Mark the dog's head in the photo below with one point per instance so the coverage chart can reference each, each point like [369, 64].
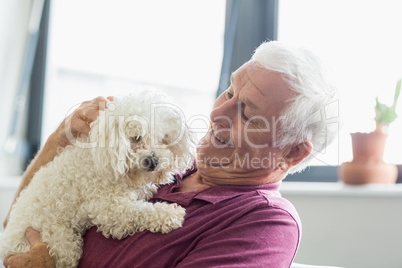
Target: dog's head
[143, 137]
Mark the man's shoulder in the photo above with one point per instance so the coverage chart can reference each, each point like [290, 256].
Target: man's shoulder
[276, 201]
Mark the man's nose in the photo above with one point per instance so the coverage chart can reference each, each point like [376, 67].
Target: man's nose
[226, 113]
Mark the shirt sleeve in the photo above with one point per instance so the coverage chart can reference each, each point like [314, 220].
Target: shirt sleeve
[261, 238]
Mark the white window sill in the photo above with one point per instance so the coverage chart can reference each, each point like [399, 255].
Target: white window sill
[294, 188]
[340, 189]
[9, 182]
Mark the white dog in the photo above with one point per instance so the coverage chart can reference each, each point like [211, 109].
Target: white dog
[106, 180]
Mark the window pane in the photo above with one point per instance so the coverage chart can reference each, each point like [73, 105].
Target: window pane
[361, 42]
[103, 47]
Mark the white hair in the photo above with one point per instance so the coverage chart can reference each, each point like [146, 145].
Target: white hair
[306, 116]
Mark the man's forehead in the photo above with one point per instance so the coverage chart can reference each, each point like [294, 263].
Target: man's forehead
[255, 71]
[241, 70]
[265, 80]
[270, 87]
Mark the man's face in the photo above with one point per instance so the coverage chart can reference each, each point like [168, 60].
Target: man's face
[244, 123]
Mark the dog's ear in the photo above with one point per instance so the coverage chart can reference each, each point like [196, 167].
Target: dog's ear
[109, 154]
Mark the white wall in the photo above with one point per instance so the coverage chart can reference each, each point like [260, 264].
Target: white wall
[348, 226]
[14, 18]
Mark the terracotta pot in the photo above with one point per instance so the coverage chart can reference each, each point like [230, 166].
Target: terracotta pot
[367, 165]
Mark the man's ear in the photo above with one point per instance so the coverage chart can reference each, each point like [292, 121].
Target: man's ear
[296, 153]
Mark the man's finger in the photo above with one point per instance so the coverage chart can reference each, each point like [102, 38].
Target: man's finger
[6, 261]
[32, 236]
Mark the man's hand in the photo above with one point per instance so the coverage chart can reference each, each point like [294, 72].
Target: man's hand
[37, 256]
[78, 122]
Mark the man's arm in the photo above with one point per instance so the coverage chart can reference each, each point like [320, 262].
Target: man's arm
[43, 157]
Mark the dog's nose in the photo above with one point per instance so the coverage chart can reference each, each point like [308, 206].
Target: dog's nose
[150, 163]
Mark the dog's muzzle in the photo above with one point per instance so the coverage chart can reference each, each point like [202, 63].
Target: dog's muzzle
[150, 163]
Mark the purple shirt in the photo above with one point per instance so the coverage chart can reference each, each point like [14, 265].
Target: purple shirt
[224, 226]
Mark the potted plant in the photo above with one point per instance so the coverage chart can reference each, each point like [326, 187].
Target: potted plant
[367, 165]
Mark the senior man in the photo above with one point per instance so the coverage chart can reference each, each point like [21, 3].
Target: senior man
[260, 131]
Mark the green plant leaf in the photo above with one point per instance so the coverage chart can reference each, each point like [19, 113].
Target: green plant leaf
[397, 92]
[386, 114]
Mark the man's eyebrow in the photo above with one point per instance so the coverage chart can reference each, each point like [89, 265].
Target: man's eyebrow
[231, 78]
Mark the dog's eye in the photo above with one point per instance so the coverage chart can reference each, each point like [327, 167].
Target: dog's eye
[136, 139]
[166, 139]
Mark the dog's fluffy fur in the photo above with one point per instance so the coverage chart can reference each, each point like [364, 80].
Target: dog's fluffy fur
[106, 180]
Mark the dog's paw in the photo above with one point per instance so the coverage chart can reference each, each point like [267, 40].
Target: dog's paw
[169, 217]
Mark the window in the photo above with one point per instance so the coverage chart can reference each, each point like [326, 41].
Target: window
[361, 43]
[112, 47]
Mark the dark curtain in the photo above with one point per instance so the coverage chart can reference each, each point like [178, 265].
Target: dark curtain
[248, 24]
[36, 89]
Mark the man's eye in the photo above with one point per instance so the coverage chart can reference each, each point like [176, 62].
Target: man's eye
[243, 113]
[229, 95]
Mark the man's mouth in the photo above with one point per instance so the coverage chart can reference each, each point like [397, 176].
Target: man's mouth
[221, 140]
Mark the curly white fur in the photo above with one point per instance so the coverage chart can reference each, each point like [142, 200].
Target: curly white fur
[106, 180]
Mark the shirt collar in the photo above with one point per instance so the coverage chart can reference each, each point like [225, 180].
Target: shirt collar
[220, 193]
[212, 195]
